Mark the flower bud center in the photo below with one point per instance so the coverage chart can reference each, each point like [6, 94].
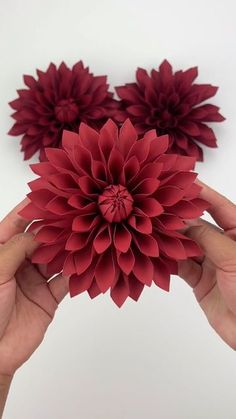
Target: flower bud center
[66, 111]
[115, 203]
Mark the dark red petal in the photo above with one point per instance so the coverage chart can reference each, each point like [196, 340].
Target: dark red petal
[82, 160]
[56, 264]
[206, 135]
[146, 244]
[120, 291]
[189, 128]
[130, 169]
[115, 163]
[81, 283]
[63, 181]
[150, 206]
[94, 291]
[146, 187]
[46, 253]
[138, 110]
[158, 146]
[172, 247]
[41, 197]
[102, 240]
[30, 81]
[58, 158]
[166, 73]
[142, 77]
[31, 212]
[105, 271]
[89, 139]
[161, 275]
[43, 169]
[186, 209]
[83, 258]
[143, 269]
[127, 137]
[108, 137]
[59, 206]
[69, 140]
[126, 261]
[69, 265]
[140, 223]
[84, 223]
[48, 234]
[122, 238]
[169, 195]
[135, 287]
[171, 222]
[140, 149]
[184, 163]
[181, 180]
[77, 241]
[150, 170]
[88, 186]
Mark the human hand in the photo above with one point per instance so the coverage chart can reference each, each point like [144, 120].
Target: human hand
[27, 300]
[213, 277]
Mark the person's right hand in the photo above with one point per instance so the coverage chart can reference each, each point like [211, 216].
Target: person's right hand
[213, 277]
[28, 301]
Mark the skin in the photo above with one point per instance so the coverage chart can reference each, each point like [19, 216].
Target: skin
[28, 301]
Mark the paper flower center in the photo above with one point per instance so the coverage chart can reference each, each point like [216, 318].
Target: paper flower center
[115, 203]
[66, 111]
[163, 119]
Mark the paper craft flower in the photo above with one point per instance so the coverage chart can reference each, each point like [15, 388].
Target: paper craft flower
[108, 209]
[59, 99]
[171, 103]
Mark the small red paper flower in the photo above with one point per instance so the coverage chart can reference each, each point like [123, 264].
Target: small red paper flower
[59, 99]
[172, 104]
[108, 209]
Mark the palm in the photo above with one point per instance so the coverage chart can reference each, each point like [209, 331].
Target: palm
[31, 310]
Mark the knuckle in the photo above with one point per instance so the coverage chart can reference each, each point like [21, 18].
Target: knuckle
[201, 231]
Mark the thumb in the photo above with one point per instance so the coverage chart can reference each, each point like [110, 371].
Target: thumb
[218, 248]
[13, 253]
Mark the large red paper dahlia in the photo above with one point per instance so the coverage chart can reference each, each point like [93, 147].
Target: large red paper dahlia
[171, 103]
[108, 209]
[60, 98]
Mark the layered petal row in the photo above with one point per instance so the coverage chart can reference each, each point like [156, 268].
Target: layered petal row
[59, 98]
[173, 104]
[108, 209]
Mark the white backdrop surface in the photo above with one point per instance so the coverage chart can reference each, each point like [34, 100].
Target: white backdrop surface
[158, 358]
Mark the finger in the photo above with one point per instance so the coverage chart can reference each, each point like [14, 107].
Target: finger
[222, 210]
[59, 287]
[190, 271]
[13, 253]
[217, 247]
[13, 224]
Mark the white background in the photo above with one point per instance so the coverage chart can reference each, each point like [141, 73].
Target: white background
[158, 358]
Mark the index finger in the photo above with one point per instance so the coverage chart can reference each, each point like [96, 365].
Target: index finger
[222, 210]
[13, 224]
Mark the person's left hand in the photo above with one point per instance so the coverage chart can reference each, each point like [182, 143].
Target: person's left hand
[28, 301]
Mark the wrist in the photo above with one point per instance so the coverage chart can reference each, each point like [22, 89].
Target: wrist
[5, 382]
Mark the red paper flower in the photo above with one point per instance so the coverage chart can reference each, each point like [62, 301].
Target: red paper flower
[109, 209]
[59, 99]
[172, 104]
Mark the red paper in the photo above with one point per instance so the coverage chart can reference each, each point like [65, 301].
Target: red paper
[59, 98]
[108, 209]
[172, 104]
